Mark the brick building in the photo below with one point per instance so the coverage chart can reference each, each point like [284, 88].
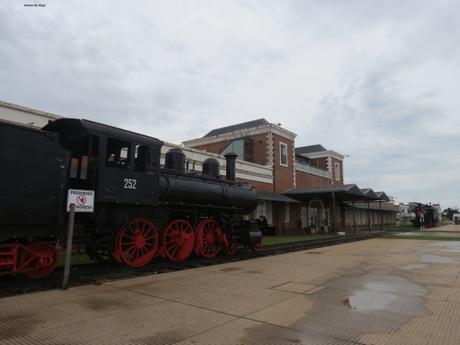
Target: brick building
[287, 201]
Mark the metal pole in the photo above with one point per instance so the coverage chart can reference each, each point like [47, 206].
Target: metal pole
[354, 219]
[333, 212]
[368, 217]
[381, 215]
[68, 252]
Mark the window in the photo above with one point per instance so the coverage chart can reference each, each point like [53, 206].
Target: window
[283, 154]
[337, 171]
[286, 214]
[244, 148]
[263, 210]
[118, 153]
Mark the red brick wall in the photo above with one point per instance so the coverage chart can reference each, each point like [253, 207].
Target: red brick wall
[334, 181]
[260, 149]
[262, 186]
[320, 163]
[306, 180]
[283, 176]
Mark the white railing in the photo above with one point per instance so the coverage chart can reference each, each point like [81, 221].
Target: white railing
[312, 170]
[245, 170]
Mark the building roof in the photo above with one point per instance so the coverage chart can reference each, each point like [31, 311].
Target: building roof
[347, 192]
[275, 197]
[237, 127]
[309, 149]
[74, 128]
[370, 193]
[375, 206]
[382, 196]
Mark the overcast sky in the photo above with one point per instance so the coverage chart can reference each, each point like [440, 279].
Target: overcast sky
[375, 80]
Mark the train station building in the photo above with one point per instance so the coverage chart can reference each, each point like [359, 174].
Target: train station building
[301, 189]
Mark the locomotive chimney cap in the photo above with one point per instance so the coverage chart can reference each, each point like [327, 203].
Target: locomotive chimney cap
[230, 155]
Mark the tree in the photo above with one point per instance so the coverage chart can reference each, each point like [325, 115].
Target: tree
[449, 213]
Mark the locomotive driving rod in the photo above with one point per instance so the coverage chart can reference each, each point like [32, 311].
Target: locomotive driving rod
[68, 250]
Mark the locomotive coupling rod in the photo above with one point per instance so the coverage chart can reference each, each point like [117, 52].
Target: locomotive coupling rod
[68, 250]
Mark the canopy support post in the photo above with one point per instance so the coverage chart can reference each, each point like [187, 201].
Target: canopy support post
[368, 217]
[333, 213]
[354, 219]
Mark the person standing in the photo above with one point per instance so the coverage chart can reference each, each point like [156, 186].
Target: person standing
[421, 218]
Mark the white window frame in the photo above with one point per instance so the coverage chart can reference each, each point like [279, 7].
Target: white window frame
[337, 171]
[287, 217]
[281, 155]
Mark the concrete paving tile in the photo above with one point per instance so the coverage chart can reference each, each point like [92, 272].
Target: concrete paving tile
[284, 313]
[83, 307]
[185, 285]
[230, 299]
[295, 287]
[368, 293]
[36, 300]
[164, 323]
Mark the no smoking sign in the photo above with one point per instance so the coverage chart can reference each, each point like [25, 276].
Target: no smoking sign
[82, 199]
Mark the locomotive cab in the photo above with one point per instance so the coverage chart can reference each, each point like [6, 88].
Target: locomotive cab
[121, 166]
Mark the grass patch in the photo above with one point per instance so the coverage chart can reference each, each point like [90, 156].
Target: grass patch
[77, 259]
[269, 240]
[425, 237]
[403, 227]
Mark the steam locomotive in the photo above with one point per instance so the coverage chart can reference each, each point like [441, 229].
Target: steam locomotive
[141, 209]
[430, 215]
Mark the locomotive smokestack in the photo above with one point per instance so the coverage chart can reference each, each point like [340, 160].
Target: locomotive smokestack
[230, 166]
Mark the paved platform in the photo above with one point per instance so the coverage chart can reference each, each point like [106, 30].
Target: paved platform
[445, 228]
[379, 291]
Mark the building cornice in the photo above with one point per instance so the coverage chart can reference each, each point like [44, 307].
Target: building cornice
[30, 110]
[321, 154]
[213, 155]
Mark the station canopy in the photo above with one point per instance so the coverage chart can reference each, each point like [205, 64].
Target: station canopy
[347, 192]
[382, 196]
[370, 193]
[275, 197]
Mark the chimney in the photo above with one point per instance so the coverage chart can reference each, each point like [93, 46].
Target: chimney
[230, 165]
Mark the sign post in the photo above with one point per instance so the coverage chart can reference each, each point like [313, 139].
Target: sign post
[68, 250]
[78, 200]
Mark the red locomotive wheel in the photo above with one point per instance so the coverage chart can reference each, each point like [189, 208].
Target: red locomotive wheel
[178, 240]
[136, 243]
[38, 260]
[208, 238]
[231, 249]
[256, 247]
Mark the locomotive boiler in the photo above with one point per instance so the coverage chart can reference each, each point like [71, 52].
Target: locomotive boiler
[142, 208]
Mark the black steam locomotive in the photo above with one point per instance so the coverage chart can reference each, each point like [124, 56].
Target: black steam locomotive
[427, 212]
[141, 209]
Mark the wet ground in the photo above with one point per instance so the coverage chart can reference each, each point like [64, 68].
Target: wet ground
[447, 231]
[380, 291]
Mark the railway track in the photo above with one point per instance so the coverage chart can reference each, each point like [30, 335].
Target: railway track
[97, 273]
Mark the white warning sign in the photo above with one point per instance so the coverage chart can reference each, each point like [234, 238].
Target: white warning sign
[82, 199]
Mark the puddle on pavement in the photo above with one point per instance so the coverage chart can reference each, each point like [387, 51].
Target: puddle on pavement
[452, 247]
[436, 259]
[368, 300]
[348, 308]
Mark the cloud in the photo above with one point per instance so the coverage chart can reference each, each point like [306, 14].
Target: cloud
[374, 80]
